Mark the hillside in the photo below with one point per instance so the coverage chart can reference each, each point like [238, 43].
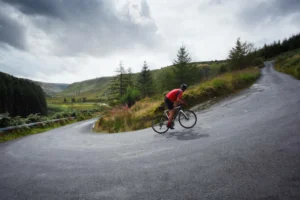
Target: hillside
[98, 89]
[289, 63]
[52, 88]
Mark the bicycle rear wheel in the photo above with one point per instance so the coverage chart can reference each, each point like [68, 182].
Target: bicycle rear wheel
[159, 124]
[188, 119]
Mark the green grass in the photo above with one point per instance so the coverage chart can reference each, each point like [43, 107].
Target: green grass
[140, 115]
[10, 135]
[289, 63]
[54, 109]
[74, 106]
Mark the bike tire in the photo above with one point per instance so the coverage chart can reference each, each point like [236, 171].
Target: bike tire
[159, 124]
[192, 118]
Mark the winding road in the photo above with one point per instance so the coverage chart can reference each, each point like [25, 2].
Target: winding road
[244, 147]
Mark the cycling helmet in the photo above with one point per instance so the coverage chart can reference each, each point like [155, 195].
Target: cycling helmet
[183, 87]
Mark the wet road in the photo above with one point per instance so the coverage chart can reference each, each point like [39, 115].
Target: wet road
[245, 147]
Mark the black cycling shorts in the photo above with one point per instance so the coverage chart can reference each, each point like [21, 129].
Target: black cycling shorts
[169, 103]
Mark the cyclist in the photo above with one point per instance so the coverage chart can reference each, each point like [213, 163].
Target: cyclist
[174, 97]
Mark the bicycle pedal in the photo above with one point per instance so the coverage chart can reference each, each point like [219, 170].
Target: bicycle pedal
[171, 127]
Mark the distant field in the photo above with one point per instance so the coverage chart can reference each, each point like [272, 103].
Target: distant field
[55, 108]
[90, 98]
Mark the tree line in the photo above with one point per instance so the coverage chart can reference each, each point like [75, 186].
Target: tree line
[127, 88]
[269, 51]
[21, 97]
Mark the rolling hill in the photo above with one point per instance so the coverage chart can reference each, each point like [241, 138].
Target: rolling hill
[98, 89]
[52, 88]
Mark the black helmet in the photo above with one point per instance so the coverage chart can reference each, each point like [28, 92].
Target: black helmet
[183, 87]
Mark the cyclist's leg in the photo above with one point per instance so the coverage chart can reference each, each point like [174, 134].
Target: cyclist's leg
[170, 105]
[171, 116]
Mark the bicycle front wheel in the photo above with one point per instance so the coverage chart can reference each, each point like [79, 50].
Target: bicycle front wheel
[187, 119]
[159, 124]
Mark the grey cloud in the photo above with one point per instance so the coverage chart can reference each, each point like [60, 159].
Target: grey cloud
[269, 11]
[93, 27]
[216, 2]
[11, 31]
[15, 71]
[37, 7]
[145, 9]
[24, 64]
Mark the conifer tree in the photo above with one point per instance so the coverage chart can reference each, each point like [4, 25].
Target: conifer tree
[181, 68]
[119, 83]
[239, 56]
[145, 82]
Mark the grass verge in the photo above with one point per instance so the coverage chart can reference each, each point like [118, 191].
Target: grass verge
[289, 63]
[13, 134]
[140, 115]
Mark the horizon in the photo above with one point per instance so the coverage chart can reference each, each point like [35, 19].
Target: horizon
[103, 76]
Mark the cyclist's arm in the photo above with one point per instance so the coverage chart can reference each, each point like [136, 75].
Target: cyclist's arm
[179, 99]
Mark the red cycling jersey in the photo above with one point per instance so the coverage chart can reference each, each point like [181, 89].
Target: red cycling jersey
[174, 94]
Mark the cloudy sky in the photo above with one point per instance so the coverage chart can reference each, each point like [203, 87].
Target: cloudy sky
[73, 40]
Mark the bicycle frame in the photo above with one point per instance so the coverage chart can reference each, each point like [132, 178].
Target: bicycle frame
[159, 122]
[177, 113]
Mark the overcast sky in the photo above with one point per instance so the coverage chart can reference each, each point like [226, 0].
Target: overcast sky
[73, 40]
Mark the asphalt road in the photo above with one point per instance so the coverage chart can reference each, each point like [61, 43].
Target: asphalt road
[245, 147]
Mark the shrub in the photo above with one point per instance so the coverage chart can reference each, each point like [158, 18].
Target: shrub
[223, 69]
[219, 83]
[293, 62]
[4, 120]
[131, 96]
[16, 121]
[114, 102]
[57, 116]
[289, 64]
[258, 62]
[33, 118]
[65, 114]
[52, 109]
[297, 71]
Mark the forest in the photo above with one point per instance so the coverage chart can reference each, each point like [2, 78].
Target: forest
[21, 97]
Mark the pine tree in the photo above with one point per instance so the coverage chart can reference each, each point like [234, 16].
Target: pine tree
[145, 82]
[120, 82]
[165, 81]
[239, 55]
[129, 78]
[181, 68]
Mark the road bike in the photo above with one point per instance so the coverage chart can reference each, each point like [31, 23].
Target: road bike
[186, 118]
